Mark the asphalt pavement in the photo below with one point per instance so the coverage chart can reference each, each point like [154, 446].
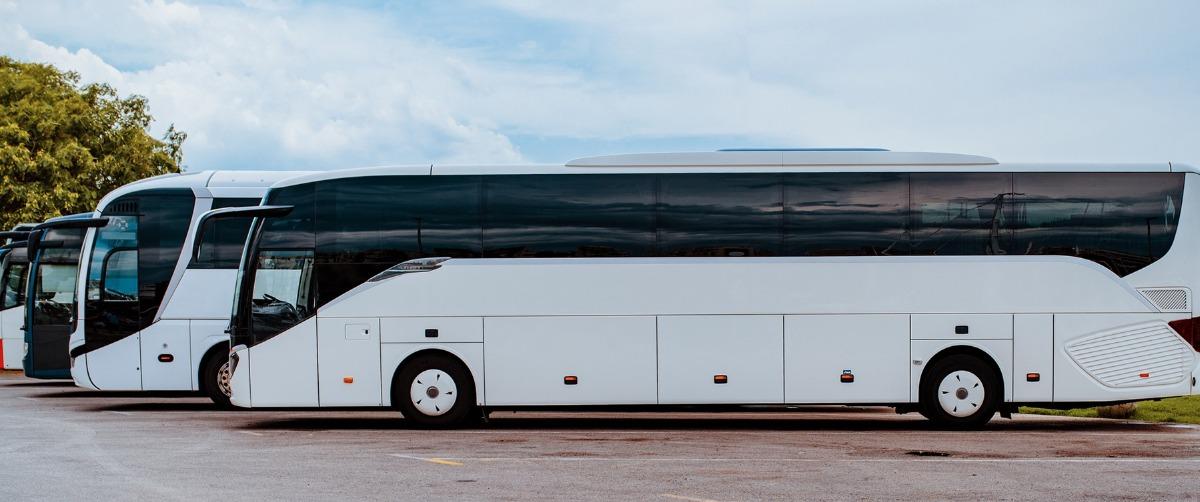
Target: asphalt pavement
[59, 442]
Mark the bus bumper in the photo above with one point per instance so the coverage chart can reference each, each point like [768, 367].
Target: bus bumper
[239, 378]
[79, 373]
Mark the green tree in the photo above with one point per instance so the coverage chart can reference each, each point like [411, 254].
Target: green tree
[63, 145]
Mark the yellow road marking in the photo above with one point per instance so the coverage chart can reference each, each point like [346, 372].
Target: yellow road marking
[439, 461]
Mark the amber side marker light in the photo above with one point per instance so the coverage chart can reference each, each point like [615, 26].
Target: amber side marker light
[347, 379]
[165, 358]
[847, 377]
[570, 380]
[1033, 377]
[720, 378]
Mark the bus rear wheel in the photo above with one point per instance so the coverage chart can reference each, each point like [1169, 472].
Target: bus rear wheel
[214, 379]
[434, 390]
[960, 391]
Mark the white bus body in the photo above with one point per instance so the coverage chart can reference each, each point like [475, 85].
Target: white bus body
[140, 333]
[15, 270]
[978, 305]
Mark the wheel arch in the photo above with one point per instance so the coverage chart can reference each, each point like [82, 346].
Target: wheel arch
[967, 350]
[473, 363]
[216, 349]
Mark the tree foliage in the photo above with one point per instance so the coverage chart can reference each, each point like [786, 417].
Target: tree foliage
[63, 145]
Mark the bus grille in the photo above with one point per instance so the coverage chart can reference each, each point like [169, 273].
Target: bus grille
[1134, 356]
[1168, 299]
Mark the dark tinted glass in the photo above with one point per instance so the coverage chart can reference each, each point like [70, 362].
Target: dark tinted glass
[569, 216]
[224, 237]
[12, 282]
[162, 225]
[111, 306]
[369, 224]
[959, 213]
[145, 230]
[1123, 221]
[720, 214]
[295, 230]
[846, 214]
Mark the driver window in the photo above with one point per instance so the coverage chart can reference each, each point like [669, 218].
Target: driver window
[281, 291]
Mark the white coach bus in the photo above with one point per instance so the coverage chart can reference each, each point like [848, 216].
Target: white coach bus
[152, 317]
[947, 284]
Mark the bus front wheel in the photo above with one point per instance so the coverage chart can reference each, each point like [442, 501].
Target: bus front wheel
[215, 377]
[434, 390]
[960, 391]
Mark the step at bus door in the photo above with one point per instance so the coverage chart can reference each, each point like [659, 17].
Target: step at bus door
[348, 362]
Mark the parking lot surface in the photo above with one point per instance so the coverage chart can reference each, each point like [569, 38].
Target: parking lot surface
[60, 442]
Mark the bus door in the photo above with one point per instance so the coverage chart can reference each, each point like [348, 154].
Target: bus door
[49, 312]
[111, 309]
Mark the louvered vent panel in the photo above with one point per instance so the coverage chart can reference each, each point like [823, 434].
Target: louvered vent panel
[1169, 299]
[1120, 358]
[129, 207]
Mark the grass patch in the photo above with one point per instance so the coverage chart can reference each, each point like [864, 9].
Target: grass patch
[1184, 410]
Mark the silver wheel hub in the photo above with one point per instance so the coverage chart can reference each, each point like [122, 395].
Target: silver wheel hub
[223, 377]
[433, 392]
[961, 393]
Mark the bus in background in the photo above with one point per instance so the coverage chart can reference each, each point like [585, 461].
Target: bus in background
[53, 252]
[14, 266]
[951, 285]
[151, 319]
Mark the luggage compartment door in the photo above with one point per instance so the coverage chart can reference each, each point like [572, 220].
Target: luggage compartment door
[570, 360]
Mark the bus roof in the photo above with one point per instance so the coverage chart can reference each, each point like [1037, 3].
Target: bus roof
[209, 183]
[783, 160]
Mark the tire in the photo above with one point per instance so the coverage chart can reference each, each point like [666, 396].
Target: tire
[214, 379]
[960, 392]
[434, 390]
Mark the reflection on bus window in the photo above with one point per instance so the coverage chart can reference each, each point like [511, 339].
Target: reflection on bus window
[281, 284]
[14, 286]
[55, 293]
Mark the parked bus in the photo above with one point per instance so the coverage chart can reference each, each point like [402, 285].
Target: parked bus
[53, 252]
[951, 285]
[151, 319]
[14, 266]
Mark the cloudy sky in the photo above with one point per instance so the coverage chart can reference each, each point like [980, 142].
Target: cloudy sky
[281, 84]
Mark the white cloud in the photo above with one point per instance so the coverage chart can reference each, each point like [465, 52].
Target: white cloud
[276, 84]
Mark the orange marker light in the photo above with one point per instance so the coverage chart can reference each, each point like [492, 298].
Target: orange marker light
[570, 380]
[347, 379]
[1033, 377]
[847, 377]
[720, 378]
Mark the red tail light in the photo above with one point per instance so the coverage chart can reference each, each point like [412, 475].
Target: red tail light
[1187, 328]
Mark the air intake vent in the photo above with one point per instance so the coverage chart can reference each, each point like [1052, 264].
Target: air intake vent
[1134, 356]
[1169, 299]
[125, 207]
